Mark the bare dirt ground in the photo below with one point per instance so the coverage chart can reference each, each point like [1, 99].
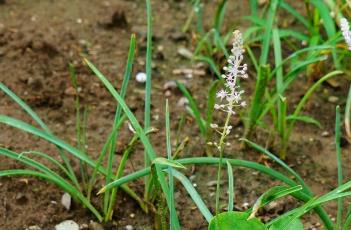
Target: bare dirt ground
[37, 42]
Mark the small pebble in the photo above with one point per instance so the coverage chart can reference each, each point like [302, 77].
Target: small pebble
[141, 77]
[34, 227]
[325, 134]
[333, 99]
[184, 52]
[183, 101]
[178, 36]
[84, 226]
[21, 198]
[192, 177]
[66, 201]
[95, 226]
[67, 225]
[170, 85]
[245, 205]
[211, 183]
[168, 93]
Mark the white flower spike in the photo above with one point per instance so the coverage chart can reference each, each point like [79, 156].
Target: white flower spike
[231, 96]
[346, 33]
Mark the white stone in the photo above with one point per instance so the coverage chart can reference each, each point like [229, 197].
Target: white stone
[66, 200]
[67, 225]
[141, 77]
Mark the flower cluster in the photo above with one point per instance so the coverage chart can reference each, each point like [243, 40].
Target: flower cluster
[345, 29]
[231, 96]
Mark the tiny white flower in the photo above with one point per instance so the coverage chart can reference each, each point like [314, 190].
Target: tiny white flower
[222, 94]
[214, 126]
[345, 29]
[232, 71]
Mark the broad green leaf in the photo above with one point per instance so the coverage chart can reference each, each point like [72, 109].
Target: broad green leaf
[294, 225]
[235, 221]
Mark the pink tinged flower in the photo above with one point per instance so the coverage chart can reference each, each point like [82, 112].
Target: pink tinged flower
[232, 71]
[221, 94]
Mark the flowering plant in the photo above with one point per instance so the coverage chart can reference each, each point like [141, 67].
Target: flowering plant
[230, 98]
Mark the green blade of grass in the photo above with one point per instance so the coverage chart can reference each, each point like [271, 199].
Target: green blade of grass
[230, 187]
[253, 7]
[295, 13]
[279, 87]
[170, 174]
[306, 119]
[47, 157]
[110, 198]
[198, 9]
[60, 183]
[339, 164]
[101, 157]
[194, 194]
[37, 119]
[194, 108]
[147, 110]
[289, 78]
[210, 62]
[49, 175]
[347, 114]
[319, 48]
[288, 33]
[25, 107]
[220, 13]
[137, 127]
[211, 100]
[280, 162]
[273, 193]
[328, 23]
[252, 58]
[347, 223]
[268, 31]
[220, 44]
[203, 44]
[258, 99]
[39, 133]
[238, 163]
[119, 174]
[309, 93]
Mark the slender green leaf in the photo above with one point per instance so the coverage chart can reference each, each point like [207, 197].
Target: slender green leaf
[347, 114]
[137, 127]
[194, 108]
[230, 187]
[339, 164]
[306, 119]
[167, 162]
[193, 194]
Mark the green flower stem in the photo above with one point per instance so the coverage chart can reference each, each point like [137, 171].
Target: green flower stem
[221, 150]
